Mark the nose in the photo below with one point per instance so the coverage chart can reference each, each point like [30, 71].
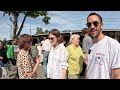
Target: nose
[92, 26]
[50, 40]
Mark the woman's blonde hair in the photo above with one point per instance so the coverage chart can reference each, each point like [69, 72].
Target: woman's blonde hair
[72, 36]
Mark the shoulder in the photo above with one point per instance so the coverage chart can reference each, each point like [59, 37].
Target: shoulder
[62, 47]
[113, 43]
[79, 47]
[23, 52]
[68, 47]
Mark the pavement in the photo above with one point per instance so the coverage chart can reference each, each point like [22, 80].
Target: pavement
[13, 72]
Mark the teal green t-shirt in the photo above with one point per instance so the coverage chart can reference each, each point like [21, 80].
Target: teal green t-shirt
[10, 51]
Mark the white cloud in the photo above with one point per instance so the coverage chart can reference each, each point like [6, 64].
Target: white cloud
[61, 20]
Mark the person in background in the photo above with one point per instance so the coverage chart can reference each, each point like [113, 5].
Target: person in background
[10, 54]
[3, 60]
[58, 56]
[76, 57]
[39, 48]
[46, 46]
[104, 55]
[27, 68]
[86, 45]
[64, 42]
[34, 51]
[87, 41]
[43, 39]
[16, 49]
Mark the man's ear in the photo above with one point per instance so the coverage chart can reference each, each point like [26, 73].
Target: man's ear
[101, 25]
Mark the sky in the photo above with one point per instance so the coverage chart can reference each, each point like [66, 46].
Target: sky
[61, 20]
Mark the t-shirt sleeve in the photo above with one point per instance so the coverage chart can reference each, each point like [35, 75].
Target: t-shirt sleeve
[84, 45]
[82, 54]
[68, 50]
[115, 56]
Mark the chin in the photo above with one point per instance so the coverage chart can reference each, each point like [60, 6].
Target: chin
[93, 36]
[77, 45]
[53, 44]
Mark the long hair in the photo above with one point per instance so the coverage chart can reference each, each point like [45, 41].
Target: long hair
[56, 33]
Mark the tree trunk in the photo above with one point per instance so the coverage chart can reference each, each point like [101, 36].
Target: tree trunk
[15, 24]
[15, 20]
[19, 31]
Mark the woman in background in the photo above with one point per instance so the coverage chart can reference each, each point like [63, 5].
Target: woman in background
[75, 57]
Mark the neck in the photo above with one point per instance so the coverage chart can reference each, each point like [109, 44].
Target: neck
[74, 45]
[55, 45]
[100, 37]
[86, 34]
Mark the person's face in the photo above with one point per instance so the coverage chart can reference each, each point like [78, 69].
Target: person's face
[1, 45]
[94, 26]
[15, 42]
[53, 39]
[76, 41]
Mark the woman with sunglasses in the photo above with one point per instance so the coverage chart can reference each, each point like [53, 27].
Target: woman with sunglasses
[58, 56]
[104, 55]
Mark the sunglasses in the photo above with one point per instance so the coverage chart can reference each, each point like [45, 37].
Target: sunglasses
[95, 23]
[51, 38]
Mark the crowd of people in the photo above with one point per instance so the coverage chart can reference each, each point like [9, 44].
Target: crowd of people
[98, 58]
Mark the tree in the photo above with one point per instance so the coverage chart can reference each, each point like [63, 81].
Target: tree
[39, 30]
[46, 31]
[32, 14]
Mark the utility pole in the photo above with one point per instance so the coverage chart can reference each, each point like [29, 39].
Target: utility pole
[11, 35]
[30, 30]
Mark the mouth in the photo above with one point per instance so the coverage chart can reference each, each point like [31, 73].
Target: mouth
[93, 31]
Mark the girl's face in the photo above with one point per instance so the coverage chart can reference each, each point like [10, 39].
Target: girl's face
[53, 39]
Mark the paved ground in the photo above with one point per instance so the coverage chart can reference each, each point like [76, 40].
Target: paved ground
[13, 73]
[40, 72]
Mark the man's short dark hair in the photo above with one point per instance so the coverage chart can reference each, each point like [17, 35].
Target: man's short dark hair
[96, 15]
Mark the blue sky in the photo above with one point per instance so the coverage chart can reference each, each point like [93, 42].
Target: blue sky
[62, 20]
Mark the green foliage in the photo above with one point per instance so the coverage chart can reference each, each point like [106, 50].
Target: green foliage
[32, 14]
[46, 31]
[39, 30]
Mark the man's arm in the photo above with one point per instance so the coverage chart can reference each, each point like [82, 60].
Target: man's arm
[116, 73]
